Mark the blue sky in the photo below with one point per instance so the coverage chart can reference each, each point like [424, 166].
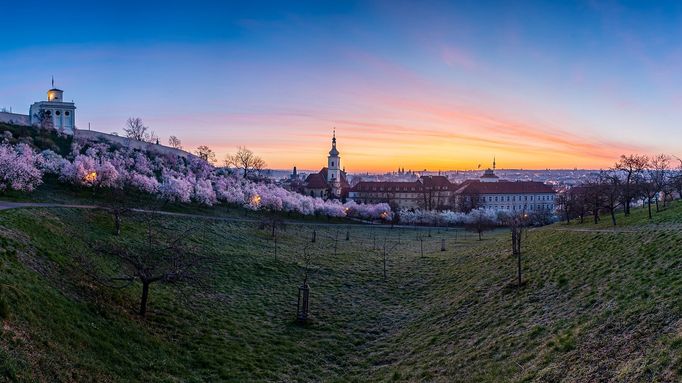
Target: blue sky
[438, 85]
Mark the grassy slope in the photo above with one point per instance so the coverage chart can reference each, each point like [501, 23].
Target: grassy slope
[597, 305]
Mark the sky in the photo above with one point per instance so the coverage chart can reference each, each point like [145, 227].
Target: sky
[431, 85]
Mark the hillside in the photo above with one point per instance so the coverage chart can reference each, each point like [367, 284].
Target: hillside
[598, 305]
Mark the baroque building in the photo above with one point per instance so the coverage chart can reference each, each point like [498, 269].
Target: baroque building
[330, 181]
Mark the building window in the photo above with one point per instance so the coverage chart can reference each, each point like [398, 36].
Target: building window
[67, 113]
[58, 113]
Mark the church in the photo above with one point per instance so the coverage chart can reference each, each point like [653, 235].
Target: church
[52, 113]
[330, 182]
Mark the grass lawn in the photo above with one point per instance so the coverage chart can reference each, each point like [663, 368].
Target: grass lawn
[596, 306]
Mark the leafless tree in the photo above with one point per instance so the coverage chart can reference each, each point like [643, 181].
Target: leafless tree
[632, 167]
[517, 222]
[245, 161]
[44, 120]
[479, 223]
[676, 179]
[387, 249]
[659, 176]
[467, 201]
[206, 154]
[117, 202]
[566, 201]
[174, 142]
[612, 192]
[158, 258]
[136, 130]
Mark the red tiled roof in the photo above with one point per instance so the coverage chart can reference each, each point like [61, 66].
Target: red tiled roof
[319, 180]
[430, 181]
[504, 187]
[316, 181]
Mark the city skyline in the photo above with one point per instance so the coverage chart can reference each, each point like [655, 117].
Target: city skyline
[441, 87]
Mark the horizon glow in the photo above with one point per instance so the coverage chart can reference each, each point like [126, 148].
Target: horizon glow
[428, 85]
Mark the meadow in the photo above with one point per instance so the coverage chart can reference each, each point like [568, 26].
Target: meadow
[595, 305]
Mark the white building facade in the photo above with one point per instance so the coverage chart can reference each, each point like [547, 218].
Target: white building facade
[54, 112]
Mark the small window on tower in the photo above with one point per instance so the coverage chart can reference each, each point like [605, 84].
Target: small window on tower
[58, 113]
[332, 163]
[66, 113]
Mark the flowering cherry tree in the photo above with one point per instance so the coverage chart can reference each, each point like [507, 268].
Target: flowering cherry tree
[19, 168]
[171, 178]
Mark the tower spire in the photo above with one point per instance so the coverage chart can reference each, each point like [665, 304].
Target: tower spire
[493, 162]
[53, 81]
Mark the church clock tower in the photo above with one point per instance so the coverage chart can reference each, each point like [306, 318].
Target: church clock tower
[334, 168]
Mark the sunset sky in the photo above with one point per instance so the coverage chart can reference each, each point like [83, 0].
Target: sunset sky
[436, 85]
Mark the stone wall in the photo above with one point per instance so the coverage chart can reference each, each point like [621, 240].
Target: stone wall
[15, 119]
[92, 135]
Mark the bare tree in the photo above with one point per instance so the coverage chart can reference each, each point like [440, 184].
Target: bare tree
[44, 119]
[467, 201]
[245, 161]
[386, 250]
[136, 130]
[517, 222]
[174, 142]
[659, 176]
[676, 179]
[158, 258]
[565, 201]
[612, 192]
[206, 154]
[632, 167]
[117, 201]
[479, 222]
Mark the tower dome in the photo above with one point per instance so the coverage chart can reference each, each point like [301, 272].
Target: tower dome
[334, 152]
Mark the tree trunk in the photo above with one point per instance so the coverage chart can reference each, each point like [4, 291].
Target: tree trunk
[518, 264]
[479, 235]
[144, 298]
[613, 216]
[117, 222]
[649, 200]
[657, 210]
[384, 260]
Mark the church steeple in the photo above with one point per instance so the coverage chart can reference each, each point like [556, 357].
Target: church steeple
[334, 152]
[493, 163]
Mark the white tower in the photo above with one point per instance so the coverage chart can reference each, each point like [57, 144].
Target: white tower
[54, 113]
[334, 168]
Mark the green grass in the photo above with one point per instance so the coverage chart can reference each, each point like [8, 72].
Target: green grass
[596, 306]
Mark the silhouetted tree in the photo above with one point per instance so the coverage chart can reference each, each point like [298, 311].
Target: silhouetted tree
[174, 142]
[632, 167]
[136, 130]
[245, 161]
[206, 154]
[158, 258]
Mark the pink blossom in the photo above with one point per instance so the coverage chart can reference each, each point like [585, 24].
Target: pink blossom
[19, 168]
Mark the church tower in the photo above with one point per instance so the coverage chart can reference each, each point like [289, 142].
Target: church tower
[334, 168]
